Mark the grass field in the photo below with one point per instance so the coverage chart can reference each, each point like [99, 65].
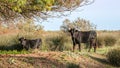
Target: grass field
[56, 59]
[61, 57]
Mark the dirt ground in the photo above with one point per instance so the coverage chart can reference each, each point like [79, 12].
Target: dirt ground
[54, 60]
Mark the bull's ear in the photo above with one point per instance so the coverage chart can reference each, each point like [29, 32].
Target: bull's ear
[25, 39]
[69, 29]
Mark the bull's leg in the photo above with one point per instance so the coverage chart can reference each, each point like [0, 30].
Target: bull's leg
[79, 47]
[90, 47]
[95, 46]
[38, 47]
[73, 47]
[28, 47]
[35, 46]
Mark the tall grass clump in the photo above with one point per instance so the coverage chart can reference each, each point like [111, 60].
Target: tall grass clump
[113, 56]
[9, 42]
[100, 41]
[118, 42]
[110, 40]
[107, 38]
[58, 43]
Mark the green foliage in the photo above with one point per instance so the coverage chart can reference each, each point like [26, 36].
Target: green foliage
[114, 56]
[13, 9]
[17, 5]
[20, 5]
[13, 52]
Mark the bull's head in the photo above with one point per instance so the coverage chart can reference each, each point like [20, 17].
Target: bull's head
[93, 34]
[22, 41]
[72, 30]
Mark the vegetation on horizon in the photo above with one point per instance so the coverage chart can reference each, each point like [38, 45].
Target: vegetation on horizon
[79, 24]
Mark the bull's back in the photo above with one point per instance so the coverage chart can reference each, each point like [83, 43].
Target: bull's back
[35, 42]
[85, 36]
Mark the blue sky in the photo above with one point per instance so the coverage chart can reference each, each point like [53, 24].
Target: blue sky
[104, 13]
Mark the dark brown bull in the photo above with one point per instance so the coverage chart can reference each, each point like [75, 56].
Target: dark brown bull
[79, 37]
[27, 44]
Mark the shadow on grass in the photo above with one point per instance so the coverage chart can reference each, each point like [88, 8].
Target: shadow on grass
[17, 47]
[104, 61]
[101, 60]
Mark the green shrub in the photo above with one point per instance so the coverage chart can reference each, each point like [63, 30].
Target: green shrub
[110, 40]
[72, 65]
[55, 43]
[14, 52]
[58, 43]
[107, 40]
[113, 56]
[9, 42]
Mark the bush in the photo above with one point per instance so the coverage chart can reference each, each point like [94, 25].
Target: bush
[100, 41]
[110, 40]
[107, 40]
[118, 42]
[9, 42]
[57, 42]
[113, 56]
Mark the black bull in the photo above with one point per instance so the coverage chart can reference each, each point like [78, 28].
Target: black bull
[79, 37]
[27, 44]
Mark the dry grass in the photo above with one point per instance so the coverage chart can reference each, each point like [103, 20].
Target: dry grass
[108, 38]
[64, 59]
[47, 59]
